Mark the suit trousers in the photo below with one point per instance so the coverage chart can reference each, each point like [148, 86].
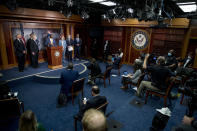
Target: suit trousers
[21, 62]
[77, 52]
[34, 59]
[145, 85]
[69, 55]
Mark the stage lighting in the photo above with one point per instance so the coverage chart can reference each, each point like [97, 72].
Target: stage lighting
[69, 3]
[84, 15]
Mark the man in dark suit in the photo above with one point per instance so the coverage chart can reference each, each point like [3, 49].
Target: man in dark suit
[189, 60]
[28, 47]
[69, 48]
[95, 70]
[34, 51]
[77, 46]
[94, 102]
[106, 50]
[20, 52]
[67, 78]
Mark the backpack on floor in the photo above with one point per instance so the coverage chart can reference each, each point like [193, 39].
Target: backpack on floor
[62, 99]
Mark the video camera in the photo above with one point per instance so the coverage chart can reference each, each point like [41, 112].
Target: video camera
[190, 89]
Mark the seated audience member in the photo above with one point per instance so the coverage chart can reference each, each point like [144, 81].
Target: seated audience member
[188, 124]
[133, 78]
[159, 74]
[95, 70]
[28, 122]
[67, 78]
[93, 102]
[188, 61]
[170, 60]
[94, 120]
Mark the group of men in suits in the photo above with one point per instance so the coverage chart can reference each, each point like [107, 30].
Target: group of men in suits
[22, 48]
[67, 45]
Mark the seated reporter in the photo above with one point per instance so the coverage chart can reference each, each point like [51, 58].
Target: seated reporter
[67, 77]
[159, 74]
[170, 60]
[93, 102]
[28, 122]
[95, 70]
[94, 120]
[133, 78]
[188, 124]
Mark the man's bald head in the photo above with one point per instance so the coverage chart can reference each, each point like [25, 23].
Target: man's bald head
[94, 120]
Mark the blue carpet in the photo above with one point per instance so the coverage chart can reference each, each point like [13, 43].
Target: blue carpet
[41, 98]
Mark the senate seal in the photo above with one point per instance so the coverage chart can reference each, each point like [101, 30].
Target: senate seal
[140, 40]
[57, 53]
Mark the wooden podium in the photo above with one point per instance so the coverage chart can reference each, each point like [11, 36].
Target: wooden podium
[54, 55]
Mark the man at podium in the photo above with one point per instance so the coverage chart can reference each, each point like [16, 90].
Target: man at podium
[50, 42]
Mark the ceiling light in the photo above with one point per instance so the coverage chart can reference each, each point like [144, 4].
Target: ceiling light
[130, 10]
[96, 1]
[108, 3]
[186, 3]
[188, 8]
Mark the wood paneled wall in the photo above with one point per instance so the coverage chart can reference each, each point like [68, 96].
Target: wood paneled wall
[32, 19]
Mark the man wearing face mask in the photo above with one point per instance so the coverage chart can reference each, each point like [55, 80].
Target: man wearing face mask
[34, 51]
[188, 61]
[69, 48]
[171, 61]
[77, 45]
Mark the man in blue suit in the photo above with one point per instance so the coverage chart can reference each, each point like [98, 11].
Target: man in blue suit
[67, 78]
[50, 42]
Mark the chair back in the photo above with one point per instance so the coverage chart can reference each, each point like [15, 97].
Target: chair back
[107, 72]
[77, 85]
[9, 108]
[103, 107]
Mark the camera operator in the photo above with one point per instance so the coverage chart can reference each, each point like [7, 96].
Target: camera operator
[188, 122]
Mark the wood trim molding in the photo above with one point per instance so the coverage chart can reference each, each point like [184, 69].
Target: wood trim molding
[3, 48]
[174, 23]
[35, 14]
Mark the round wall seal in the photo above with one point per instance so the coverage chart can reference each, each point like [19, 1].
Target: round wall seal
[57, 53]
[140, 39]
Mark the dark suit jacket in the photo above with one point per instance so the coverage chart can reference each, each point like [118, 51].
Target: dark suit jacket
[66, 80]
[191, 62]
[33, 47]
[79, 42]
[48, 41]
[95, 69]
[69, 43]
[19, 47]
[107, 48]
[28, 44]
[94, 102]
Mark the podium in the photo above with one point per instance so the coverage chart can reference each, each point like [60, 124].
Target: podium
[54, 55]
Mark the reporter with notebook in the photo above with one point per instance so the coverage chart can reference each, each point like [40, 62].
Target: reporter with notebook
[127, 78]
